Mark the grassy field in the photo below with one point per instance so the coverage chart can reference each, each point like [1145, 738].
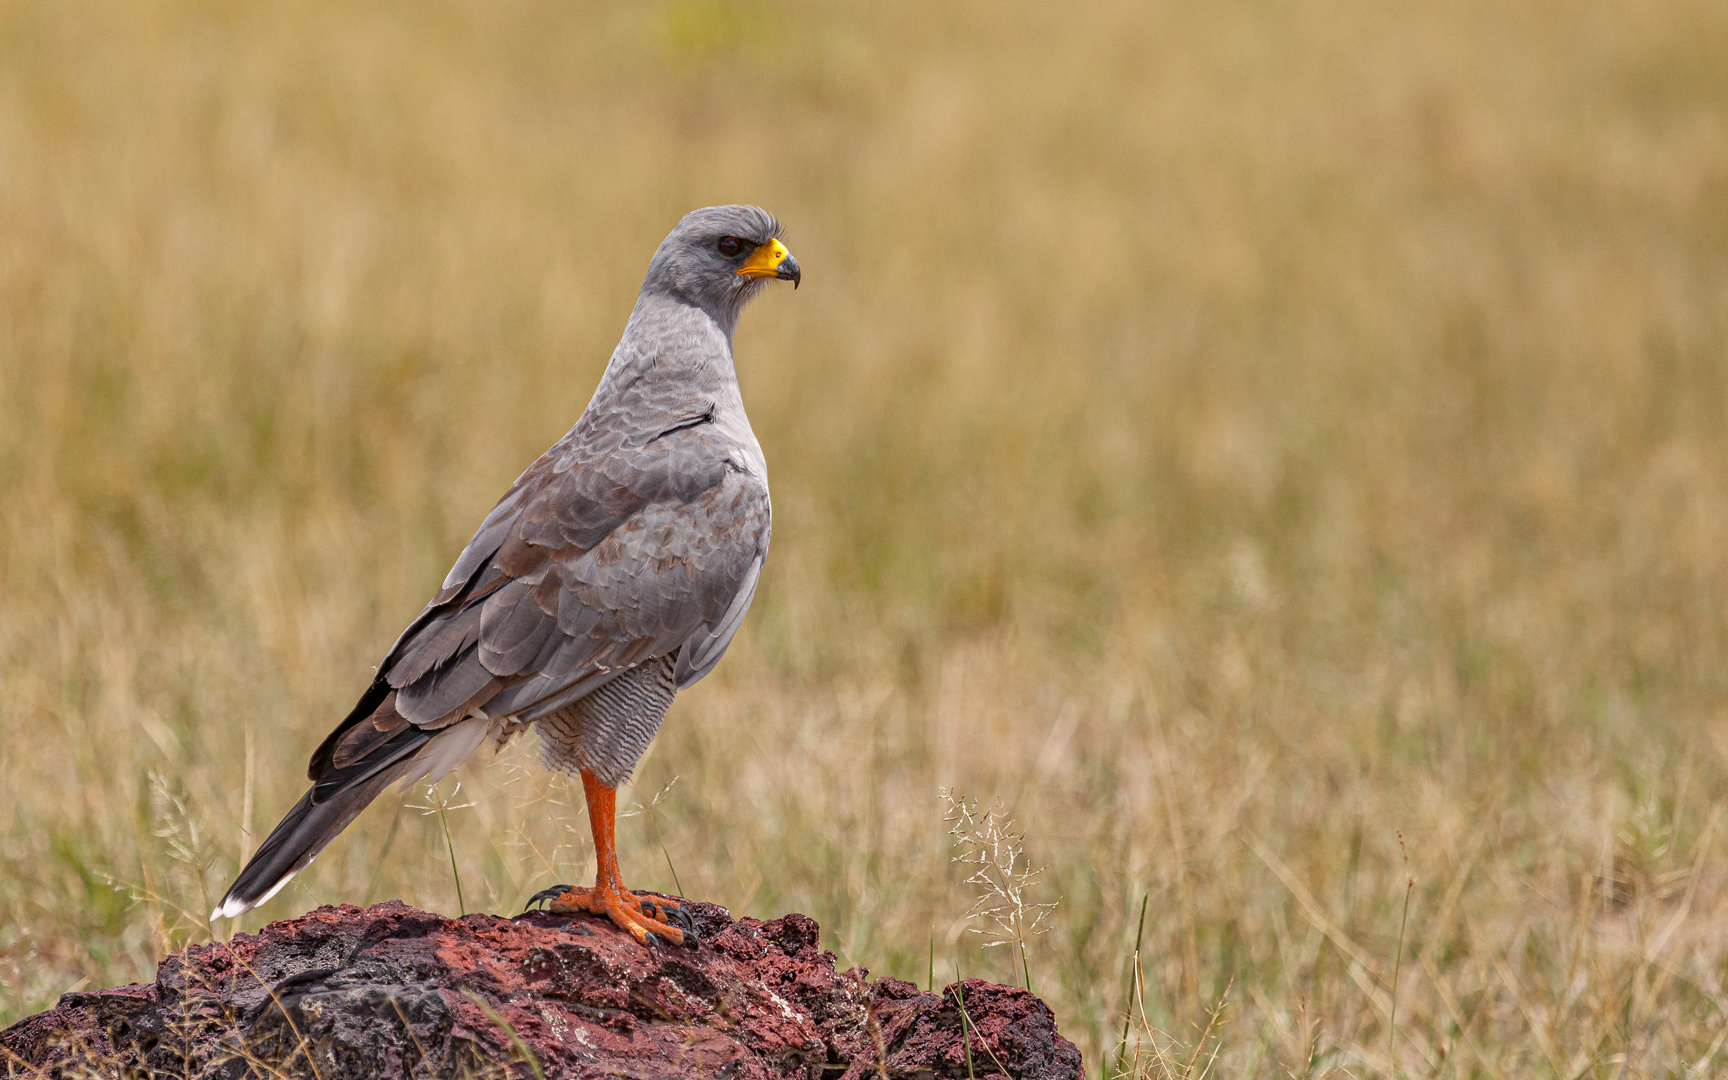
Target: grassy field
[1231, 435]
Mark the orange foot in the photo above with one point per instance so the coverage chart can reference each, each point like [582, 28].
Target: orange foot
[645, 917]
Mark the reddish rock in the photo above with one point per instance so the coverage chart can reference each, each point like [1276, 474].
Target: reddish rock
[390, 991]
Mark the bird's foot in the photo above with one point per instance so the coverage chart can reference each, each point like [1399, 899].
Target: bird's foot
[645, 917]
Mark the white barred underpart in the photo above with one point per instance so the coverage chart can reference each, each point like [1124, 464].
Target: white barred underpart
[608, 731]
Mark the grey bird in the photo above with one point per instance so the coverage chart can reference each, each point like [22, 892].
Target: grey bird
[613, 574]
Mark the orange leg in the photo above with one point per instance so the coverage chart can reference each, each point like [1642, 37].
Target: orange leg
[642, 916]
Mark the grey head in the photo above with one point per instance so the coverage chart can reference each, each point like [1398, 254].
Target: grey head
[718, 258]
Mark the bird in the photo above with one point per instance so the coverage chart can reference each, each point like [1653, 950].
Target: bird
[613, 574]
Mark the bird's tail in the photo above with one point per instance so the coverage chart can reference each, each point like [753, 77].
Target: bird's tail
[333, 801]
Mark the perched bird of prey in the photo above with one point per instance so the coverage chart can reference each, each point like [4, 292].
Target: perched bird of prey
[612, 575]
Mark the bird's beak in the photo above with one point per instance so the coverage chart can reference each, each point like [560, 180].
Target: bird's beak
[772, 260]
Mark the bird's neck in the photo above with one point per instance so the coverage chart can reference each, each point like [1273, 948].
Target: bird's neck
[670, 349]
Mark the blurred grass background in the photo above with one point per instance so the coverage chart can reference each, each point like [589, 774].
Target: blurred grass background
[1229, 434]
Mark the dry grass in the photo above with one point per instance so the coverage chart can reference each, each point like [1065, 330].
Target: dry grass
[1228, 433]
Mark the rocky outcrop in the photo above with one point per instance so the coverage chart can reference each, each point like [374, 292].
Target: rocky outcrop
[391, 991]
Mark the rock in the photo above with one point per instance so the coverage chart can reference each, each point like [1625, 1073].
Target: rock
[390, 991]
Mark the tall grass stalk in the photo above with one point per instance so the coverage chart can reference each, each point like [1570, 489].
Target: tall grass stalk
[1397, 961]
[455, 874]
[1129, 991]
[654, 823]
[437, 803]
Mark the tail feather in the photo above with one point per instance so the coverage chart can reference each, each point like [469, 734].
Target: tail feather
[325, 810]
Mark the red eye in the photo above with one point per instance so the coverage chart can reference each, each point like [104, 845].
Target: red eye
[730, 246]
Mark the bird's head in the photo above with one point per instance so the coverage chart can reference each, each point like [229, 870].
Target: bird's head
[719, 257]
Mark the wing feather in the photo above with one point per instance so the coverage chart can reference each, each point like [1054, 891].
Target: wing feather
[703, 649]
[585, 567]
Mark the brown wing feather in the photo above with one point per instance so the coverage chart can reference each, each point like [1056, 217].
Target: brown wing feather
[369, 734]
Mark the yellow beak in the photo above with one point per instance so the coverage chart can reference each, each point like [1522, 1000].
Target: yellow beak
[772, 260]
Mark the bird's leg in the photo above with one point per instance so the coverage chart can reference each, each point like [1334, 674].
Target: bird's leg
[642, 916]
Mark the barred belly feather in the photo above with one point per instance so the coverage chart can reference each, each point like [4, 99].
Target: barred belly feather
[608, 731]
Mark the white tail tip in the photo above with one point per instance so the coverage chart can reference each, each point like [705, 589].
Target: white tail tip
[233, 907]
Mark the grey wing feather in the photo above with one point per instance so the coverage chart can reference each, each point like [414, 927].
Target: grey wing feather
[440, 696]
[704, 648]
[513, 629]
[543, 694]
[584, 569]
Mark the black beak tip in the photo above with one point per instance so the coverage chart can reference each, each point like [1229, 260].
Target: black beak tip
[789, 271]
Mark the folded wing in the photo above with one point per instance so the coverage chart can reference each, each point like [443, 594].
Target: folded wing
[584, 569]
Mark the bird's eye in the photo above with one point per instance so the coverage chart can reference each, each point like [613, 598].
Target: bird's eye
[730, 246]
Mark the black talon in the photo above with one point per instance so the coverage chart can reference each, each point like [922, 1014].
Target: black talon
[680, 916]
[546, 896]
[653, 940]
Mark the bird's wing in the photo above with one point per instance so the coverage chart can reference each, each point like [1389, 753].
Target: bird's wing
[584, 568]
